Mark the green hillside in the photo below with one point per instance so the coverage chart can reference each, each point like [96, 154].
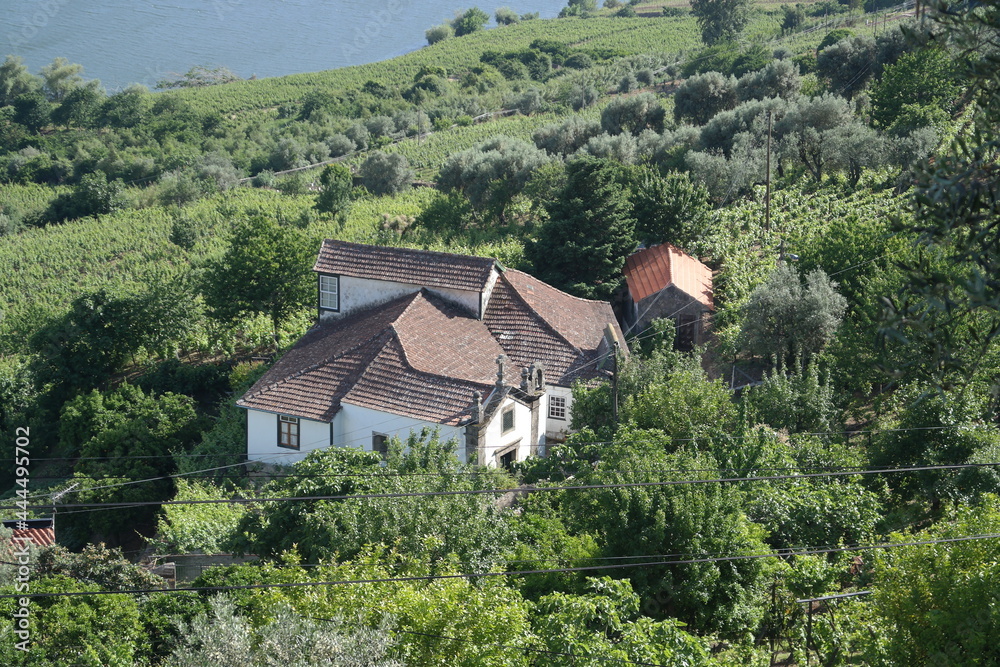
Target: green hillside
[814, 483]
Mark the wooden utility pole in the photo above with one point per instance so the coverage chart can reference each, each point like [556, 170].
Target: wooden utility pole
[767, 193]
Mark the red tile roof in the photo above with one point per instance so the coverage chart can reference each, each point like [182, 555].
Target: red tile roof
[416, 355]
[420, 356]
[653, 269]
[41, 537]
[405, 265]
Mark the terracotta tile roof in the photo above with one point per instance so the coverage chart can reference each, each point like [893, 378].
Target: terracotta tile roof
[389, 384]
[420, 356]
[438, 338]
[652, 269]
[405, 265]
[536, 322]
[41, 537]
[416, 355]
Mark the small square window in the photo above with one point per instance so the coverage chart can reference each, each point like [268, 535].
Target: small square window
[329, 292]
[288, 432]
[380, 443]
[507, 420]
[557, 407]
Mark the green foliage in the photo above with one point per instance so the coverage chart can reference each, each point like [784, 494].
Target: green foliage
[684, 407]
[15, 80]
[32, 110]
[386, 173]
[925, 78]
[786, 319]
[670, 209]
[335, 196]
[933, 428]
[506, 16]
[797, 400]
[780, 78]
[439, 33]
[73, 631]
[470, 21]
[591, 231]
[60, 77]
[847, 64]
[604, 624]
[700, 519]
[266, 270]
[492, 175]
[221, 637]
[633, 114]
[702, 96]
[721, 20]
[936, 602]
[123, 435]
[105, 329]
[423, 611]
[126, 109]
[431, 528]
[203, 528]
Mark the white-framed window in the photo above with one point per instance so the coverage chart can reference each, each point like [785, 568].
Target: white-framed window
[329, 292]
[380, 443]
[288, 432]
[557, 407]
[507, 420]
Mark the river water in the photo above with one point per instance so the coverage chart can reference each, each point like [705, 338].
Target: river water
[143, 41]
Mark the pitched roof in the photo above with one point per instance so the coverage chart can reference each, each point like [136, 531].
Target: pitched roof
[653, 269]
[405, 265]
[416, 355]
[421, 356]
[534, 321]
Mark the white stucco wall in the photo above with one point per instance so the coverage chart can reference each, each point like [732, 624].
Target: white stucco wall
[497, 440]
[262, 438]
[354, 426]
[558, 428]
[360, 293]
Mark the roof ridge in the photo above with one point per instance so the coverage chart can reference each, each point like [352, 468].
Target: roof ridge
[425, 251]
[553, 288]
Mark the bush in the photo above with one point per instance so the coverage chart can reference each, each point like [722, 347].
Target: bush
[633, 114]
[506, 16]
[386, 173]
[579, 61]
[471, 21]
[702, 96]
[439, 33]
[340, 144]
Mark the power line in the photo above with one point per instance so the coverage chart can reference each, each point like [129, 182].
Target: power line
[477, 575]
[501, 491]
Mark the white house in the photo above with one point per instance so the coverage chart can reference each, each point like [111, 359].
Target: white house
[407, 339]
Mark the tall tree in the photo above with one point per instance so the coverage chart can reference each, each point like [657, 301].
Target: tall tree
[61, 77]
[721, 20]
[956, 204]
[266, 270]
[15, 79]
[590, 233]
[335, 196]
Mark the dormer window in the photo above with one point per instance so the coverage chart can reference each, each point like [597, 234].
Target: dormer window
[329, 292]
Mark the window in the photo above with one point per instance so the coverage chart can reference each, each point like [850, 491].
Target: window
[329, 292]
[507, 420]
[557, 407]
[380, 443]
[288, 432]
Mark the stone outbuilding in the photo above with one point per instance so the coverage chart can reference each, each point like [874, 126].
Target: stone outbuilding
[666, 282]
